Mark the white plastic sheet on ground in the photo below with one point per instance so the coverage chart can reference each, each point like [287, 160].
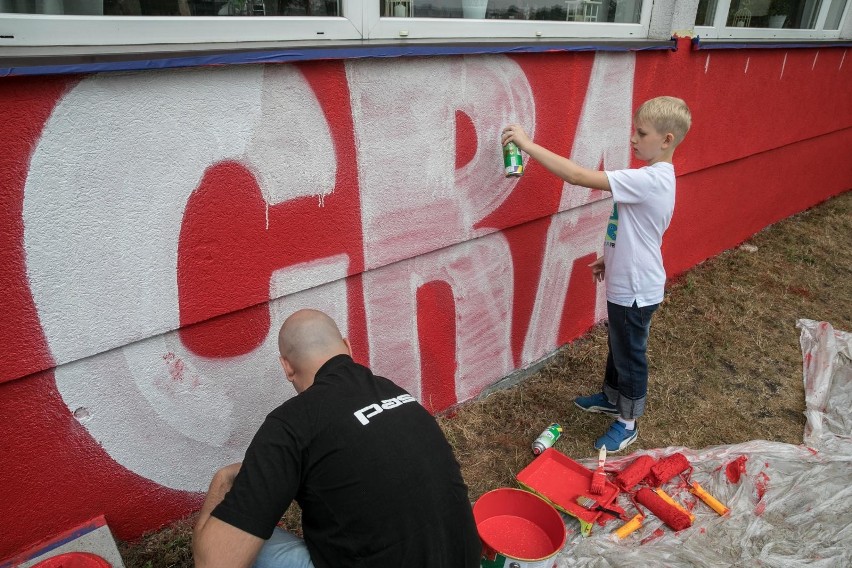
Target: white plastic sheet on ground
[792, 506]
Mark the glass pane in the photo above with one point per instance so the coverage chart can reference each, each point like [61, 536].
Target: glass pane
[174, 7]
[623, 11]
[835, 13]
[791, 14]
[706, 13]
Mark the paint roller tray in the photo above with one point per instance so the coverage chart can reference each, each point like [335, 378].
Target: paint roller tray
[560, 480]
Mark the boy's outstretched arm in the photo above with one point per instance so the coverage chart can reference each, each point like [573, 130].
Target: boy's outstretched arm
[563, 167]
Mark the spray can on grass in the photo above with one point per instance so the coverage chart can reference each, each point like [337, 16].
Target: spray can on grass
[547, 438]
[513, 161]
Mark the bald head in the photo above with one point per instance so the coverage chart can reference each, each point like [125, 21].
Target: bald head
[308, 339]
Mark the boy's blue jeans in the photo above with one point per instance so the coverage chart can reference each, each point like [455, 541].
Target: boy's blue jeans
[626, 378]
[283, 550]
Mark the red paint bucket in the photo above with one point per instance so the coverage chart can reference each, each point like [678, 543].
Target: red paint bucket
[518, 528]
[74, 560]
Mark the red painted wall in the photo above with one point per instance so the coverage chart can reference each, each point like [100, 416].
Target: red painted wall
[770, 137]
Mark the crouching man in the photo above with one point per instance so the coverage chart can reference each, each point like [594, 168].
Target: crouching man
[375, 477]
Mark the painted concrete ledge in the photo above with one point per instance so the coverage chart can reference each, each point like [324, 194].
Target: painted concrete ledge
[97, 59]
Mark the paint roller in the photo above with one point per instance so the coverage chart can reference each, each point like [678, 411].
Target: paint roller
[670, 500]
[671, 515]
[711, 501]
[631, 475]
[667, 468]
[633, 524]
[630, 526]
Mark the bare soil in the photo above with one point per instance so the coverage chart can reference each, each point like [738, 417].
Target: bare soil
[725, 366]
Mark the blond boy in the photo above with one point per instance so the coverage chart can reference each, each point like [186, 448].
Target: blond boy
[632, 263]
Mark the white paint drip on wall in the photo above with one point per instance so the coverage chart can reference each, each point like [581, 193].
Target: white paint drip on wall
[291, 150]
[816, 56]
[154, 404]
[842, 59]
[707, 64]
[783, 64]
[748, 59]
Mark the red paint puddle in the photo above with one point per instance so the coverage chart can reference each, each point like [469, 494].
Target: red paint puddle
[654, 536]
[735, 469]
[515, 536]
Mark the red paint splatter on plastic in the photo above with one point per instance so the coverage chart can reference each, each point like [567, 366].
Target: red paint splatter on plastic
[761, 507]
[762, 484]
[812, 451]
[654, 536]
[703, 530]
[735, 469]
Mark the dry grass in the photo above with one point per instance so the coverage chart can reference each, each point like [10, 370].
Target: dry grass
[725, 366]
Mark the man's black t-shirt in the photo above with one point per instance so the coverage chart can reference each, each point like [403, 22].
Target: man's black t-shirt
[375, 477]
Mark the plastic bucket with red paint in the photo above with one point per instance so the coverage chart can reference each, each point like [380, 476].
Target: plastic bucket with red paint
[74, 560]
[518, 529]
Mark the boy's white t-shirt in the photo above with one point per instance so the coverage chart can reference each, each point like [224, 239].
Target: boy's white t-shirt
[644, 201]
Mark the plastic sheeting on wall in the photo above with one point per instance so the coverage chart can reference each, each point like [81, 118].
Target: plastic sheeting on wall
[790, 505]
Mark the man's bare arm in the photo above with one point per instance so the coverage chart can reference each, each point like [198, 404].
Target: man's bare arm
[215, 543]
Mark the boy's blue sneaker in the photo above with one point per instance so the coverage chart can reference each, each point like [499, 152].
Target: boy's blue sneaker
[596, 403]
[617, 437]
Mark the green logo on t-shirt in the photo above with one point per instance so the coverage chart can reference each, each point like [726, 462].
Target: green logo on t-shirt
[612, 227]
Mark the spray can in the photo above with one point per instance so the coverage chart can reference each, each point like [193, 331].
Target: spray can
[547, 438]
[512, 160]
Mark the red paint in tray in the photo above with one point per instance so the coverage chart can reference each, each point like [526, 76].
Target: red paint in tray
[560, 480]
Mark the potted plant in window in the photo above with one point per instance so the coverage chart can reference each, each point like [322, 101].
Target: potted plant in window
[474, 8]
[779, 11]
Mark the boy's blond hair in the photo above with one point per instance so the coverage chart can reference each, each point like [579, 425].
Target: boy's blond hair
[666, 114]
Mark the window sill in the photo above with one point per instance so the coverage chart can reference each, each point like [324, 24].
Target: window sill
[16, 61]
[786, 43]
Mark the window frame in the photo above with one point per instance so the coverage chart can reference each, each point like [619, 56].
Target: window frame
[360, 21]
[720, 31]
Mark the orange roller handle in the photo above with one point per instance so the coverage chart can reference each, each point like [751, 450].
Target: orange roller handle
[711, 501]
[630, 526]
[668, 499]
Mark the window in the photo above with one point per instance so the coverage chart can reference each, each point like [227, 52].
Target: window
[589, 11]
[129, 22]
[173, 7]
[769, 18]
[509, 18]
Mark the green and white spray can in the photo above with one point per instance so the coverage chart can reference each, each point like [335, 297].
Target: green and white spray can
[547, 438]
[513, 161]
